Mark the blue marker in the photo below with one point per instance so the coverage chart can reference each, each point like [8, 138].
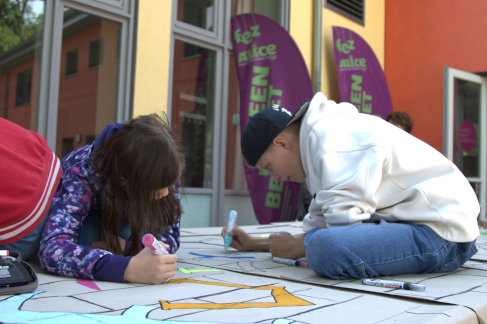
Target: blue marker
[232, 220]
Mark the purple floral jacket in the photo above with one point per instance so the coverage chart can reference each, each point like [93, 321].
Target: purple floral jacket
[78, 196]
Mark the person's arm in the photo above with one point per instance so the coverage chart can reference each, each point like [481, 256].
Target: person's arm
[59, 254]
[244, 242]
[282, 245]
[287, 246]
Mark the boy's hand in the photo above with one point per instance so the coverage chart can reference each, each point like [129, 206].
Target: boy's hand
[287, 246]
[241, 240]
[148, 268]
[245, 242]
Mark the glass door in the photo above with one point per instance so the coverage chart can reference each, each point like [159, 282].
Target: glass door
[89, 72]
[88, 79]
[203, 106]
[21, 48]
[465, 128]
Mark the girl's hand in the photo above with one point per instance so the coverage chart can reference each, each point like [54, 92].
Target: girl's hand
[245, 242]
[148, 268]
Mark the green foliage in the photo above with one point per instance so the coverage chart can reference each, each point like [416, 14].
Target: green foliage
[11, 16]
[8, 38]
[33, 27]
[14, 28]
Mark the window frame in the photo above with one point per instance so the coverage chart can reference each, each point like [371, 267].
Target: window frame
[25, 87]
[345, 14]
[220, 41]
[75, 71]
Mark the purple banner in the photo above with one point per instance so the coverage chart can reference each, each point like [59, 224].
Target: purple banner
[361, 80]
[270, 70]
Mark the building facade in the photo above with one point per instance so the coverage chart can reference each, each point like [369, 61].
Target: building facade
[104, 61]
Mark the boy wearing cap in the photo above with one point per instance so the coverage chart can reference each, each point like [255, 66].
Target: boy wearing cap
[29, 175]
[384, 203]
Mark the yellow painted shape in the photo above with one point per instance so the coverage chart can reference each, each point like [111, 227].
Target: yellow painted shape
[282, 297]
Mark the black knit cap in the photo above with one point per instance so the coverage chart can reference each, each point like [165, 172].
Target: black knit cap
[263, 127]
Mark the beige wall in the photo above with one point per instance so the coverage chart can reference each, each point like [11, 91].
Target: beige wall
[301, 17]
[301, 28]
[152, 58]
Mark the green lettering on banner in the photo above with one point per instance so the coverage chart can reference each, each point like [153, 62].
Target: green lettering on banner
[253, 109]
[276, 186]
[273, 200]
[262, 72]
[242, 57]
[255, 30]
[286, 207]
[254, 51]
[271, 51]
[274, 92]
[345, 47]
[353, 63]
[357, 81]
[358, 97]
[263, 172]
[258, 94]
[247, 37]
[367, 107]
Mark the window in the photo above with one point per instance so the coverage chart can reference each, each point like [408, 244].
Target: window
[204, 105]
[96, 53]
[193, 110]
[352, 9]
[72, 62]
[24, 80]
[89, 101]
[68, 146]
[198, 13]
[89, 139]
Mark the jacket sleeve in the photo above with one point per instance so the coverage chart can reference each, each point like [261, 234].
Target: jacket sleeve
[112, 267]
[349, 181]
[172, 234]
[59, 254]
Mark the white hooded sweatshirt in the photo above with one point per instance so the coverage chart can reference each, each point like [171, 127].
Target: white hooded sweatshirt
[360, 167]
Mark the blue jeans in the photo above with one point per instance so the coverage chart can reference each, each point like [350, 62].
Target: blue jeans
[28, 246]
[382, 249]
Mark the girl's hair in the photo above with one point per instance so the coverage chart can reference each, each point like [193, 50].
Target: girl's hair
[401, 118]
[137, 161]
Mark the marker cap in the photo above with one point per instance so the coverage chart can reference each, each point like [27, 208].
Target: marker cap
[152, 244]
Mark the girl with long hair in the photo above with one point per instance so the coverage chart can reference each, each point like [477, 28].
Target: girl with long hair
[112, 192]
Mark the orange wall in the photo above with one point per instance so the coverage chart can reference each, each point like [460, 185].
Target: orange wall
[421, 37]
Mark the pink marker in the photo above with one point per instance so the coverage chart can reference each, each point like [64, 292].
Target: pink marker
[154, 246]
